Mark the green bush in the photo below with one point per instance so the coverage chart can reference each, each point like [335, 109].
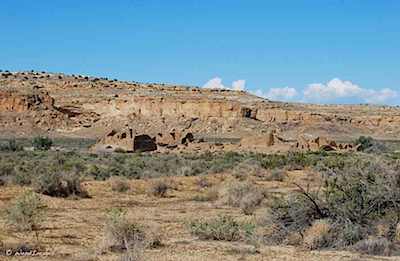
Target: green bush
[354, 198]
[42, 143]
[223, 228]
[57, 184]
[12, 146]
[26, 212]
[370, 145]
[120, 234]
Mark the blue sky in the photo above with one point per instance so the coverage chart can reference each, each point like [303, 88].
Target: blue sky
[326, 51]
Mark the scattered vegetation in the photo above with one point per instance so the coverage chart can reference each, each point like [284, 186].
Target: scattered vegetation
[11, 145]
[223, 228]
[241, 194]
[26, 212]
[370, 145]
[210, 194]
[129, 237]
[346, 211]
[57, 184]
[42, 143]
[120, 234]
[159, 189]
[119, 184]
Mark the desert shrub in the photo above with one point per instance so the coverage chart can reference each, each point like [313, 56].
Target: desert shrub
[374, 246]
[250, 202]
[11, 145]
[42, 143]
[121, 234]
[223, 228]
[318, 235]
[287, 216]
[247, 168]
[291, 160]
[119, 184]
[370, 145]
[26, 212]
[210, 194]
[57, 184]
[134, 254]
[241, 194]
[203, 182]
[228, 160]
[233, 192]
[274, 161]
[354, 198]
[158, 188]
[276, 175]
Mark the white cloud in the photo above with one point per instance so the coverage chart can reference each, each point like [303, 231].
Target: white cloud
[239, 85]
[216, 83]
[284, 93]
[380, 96]
[334, 91]
[335, 88]
[338, 89]
[278, 94]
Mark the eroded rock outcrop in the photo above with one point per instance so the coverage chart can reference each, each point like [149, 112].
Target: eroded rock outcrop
[15, 102]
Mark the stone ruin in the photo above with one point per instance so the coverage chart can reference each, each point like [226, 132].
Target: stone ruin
[272, 139]
[130, 141]
[265, 140]
[321, 143]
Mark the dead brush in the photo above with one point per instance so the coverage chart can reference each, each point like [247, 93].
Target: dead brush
[129, 237]
[158, 188]
[119, 184]
[241, 194]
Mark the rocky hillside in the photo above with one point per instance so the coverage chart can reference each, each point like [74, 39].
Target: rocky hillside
[61, 105]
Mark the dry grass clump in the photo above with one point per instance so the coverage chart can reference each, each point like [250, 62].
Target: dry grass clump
[276, 174]
[248, 168]
[119, 184]
[397, 234]
[57, 184]
[158, 188]
[129, 237]
[210, 194]
[223, 228]
[203, 182]
[250, 202]
[374, 246]
[121, 234]
[241, 194]
[26, 212]
[318, 235]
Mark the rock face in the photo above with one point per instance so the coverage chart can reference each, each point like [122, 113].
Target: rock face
[14, 102]
[78, 106]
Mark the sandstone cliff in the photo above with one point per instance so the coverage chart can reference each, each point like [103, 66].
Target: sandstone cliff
[79, 106]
